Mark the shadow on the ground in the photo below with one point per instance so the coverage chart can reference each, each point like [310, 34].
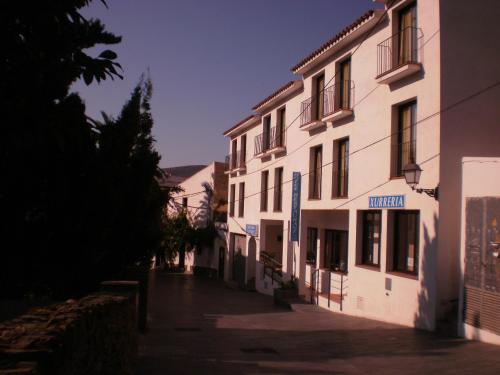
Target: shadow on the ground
[201, 327]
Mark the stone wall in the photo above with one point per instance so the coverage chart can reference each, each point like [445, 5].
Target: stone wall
[94, 335]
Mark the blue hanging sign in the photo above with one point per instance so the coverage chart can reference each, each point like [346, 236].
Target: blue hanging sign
[295, 222]
[387, 201]
[252, 230]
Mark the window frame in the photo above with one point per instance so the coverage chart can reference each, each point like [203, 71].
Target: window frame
[309, 243]
[396, 251]
[241, 200]
[232, 196]
[278, 189]
[315, 172]
[264, 191]
[364, 239]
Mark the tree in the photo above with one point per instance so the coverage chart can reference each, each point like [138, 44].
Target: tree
[129, 202]
[77, 200]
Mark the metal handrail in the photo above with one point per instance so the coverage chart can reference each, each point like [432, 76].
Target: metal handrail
[338, 96]
[271, 264]
[235, 160]
[399, 49]
[266, 142]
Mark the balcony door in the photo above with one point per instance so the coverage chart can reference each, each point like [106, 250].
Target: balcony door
[266, 134]
[407, 36]
[344, 85]
[319, 97]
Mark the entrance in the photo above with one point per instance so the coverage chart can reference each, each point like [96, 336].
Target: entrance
[239, 261]
[335, 258]
[222, 258]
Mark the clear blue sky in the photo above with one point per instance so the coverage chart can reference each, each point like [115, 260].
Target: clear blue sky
[210, 61]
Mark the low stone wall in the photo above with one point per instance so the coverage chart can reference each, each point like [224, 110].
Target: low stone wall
[94, 335]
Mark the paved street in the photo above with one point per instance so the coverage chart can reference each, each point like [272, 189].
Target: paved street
[199, 326]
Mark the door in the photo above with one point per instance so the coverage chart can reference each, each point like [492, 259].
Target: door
[482, 264]
[222, 258]
[345, 85]
[239, 260]
[407, 35]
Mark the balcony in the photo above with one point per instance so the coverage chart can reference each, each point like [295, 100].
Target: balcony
[309, 120]
[397, 56]
[267, 144]
[338, 101]
[235, 162]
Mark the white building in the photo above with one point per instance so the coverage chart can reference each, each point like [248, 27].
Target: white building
[203, 198]
[415, 83]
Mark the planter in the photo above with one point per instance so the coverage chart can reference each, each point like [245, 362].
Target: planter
[283, 297]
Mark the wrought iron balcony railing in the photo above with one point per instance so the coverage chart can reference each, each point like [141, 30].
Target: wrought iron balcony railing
[398, 50]
[269, 141]
[235, 160]
[338, 97]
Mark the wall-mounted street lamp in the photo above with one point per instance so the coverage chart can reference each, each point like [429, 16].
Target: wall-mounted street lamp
[412, 173]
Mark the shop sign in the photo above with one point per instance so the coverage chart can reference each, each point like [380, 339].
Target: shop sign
[387, 201]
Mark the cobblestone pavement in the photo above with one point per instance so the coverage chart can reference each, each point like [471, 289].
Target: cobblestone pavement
[199, 326]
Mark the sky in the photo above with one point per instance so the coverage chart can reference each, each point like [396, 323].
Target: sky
[210, 62]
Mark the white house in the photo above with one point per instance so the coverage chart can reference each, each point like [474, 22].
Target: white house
[414, 86]
[203, 198]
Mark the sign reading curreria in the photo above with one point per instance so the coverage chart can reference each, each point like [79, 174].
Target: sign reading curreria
[387, 201]
[295, 222]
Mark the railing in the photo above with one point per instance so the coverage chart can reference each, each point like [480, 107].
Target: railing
[340, 183]
[398, 50]
[235, 160]
[306, 111]
[338, 97]
[272, 267]
[336, 284]
[269, 141]
[402, 154]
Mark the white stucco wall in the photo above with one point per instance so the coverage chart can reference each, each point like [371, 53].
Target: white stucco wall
[411, 301]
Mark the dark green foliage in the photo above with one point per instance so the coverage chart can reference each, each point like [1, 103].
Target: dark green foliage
[78, 200]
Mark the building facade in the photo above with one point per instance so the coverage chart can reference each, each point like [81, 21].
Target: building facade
[203, 198]
[413, 84]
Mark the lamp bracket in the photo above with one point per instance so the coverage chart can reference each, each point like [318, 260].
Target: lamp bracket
[434, 193]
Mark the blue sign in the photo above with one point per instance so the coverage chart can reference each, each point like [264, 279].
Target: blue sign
[295, 222]
[252, 230]
[387, 201]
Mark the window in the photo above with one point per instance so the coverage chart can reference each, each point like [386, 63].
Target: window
[341, 168]
[184, 203]
[241, 200]
[318, 97]
[335, 257]
[405, 250]
[312, 240]
[243, 150]
[371, 238]
[266, 133]
[404, 151]
[234, 152]
[278, 189]
[407, 44]
[344, 88]
[264, 186]
[280, 128]
[315, 167]
[232, 195]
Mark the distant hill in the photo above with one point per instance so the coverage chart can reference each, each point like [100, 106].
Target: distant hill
[184, 171]
[175, 175]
